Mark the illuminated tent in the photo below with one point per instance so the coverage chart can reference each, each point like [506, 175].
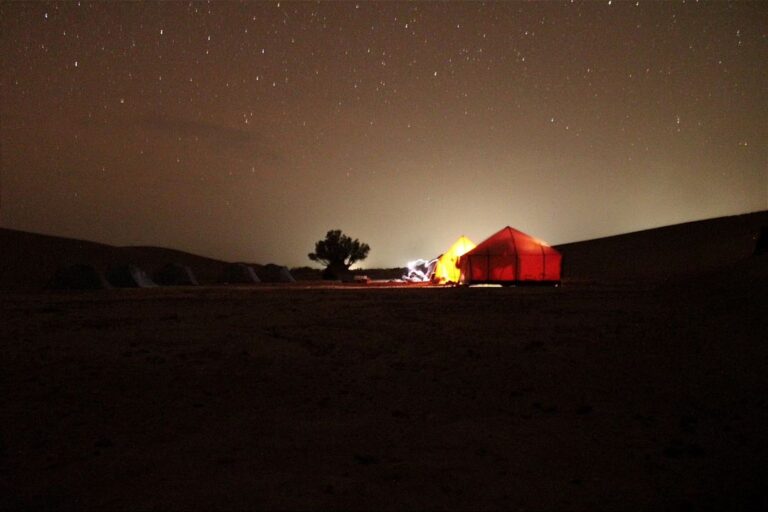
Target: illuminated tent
[511, 257]
[447, 270]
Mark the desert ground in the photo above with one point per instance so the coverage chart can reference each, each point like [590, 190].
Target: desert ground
[612, 395]
[579, 397]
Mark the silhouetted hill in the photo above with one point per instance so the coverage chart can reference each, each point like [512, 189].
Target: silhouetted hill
[29, 260]
[657, 254]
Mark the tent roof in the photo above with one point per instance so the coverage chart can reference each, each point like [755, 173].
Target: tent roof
[508, 241]
[461, 246]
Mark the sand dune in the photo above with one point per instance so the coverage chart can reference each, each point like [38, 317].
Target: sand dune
[29, 260]
[661, 253]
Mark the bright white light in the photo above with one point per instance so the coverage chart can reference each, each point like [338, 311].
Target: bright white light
[420, 271]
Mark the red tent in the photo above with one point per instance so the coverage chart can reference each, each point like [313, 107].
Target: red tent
[511, 257]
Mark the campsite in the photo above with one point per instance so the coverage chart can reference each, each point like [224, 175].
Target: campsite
[383, 255]
[639, 383]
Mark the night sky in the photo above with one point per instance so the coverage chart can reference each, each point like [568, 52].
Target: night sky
[245, 131]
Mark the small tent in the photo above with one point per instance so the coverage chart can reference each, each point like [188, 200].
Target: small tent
[446, 269]
[176, 274]
[78, 277]
[511, 257]
[129, 276]
[271, 273]
[239, 273]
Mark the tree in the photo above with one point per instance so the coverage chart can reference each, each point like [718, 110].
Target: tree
[338, 252]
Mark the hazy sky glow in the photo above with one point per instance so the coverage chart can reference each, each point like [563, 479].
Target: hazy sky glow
[244, 131]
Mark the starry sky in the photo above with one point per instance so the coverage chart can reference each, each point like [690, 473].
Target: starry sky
[245, 131]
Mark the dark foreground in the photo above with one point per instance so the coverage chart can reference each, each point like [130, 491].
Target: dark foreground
[586, 397]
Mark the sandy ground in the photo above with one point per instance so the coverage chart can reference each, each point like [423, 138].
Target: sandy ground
[580, 397]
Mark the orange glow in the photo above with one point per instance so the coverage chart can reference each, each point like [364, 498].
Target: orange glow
[447, 269]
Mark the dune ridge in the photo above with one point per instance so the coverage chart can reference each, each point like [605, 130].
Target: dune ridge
[662, 253]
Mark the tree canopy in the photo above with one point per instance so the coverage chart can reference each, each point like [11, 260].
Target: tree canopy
[338, 251]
